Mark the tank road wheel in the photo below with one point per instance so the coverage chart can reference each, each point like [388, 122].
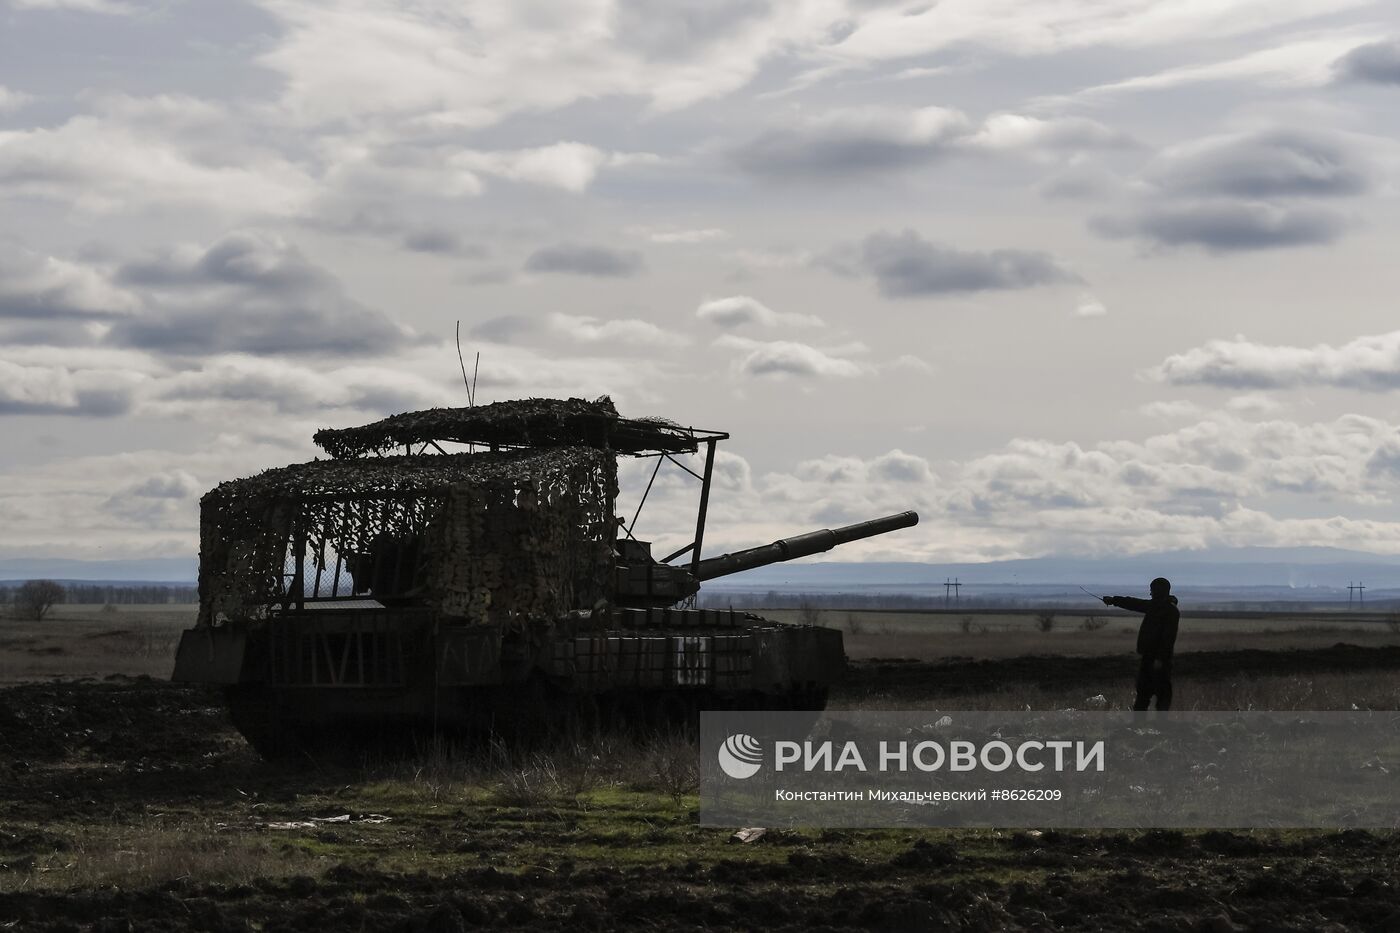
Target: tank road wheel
[586, 720]
[262, 721]
[624, 713]
[530, 713]
[670, 713]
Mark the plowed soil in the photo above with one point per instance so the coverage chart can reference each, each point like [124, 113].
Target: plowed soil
[131, 804]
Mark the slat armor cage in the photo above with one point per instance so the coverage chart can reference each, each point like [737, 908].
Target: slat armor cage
[487, 537]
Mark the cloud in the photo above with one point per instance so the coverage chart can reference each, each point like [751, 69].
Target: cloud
[1011, 131]
[1302, 63]
[732, 472]
[583, 259]
[359, 216]
[444, 66]
[1080, 182]
[236, 389]
[896, 31]
[59, 390]
[1374, 62]
[292, 388]
[1384, 464]
[900, 467]
[38, 287]
[440, 65]
[669, 29]
[1253, 403]
[11, 99]
[248, 293]
[629, 332]
[570, 166]
[1273, 163]
[360, 176]
[102, 382]
[1367, 363]
[741, 310]
[175, 484]
[1244, 192]
[238, 259]
[141, 154]
[1171, 410]
[444, 242]
[911, 363]
[507, 328]
[851, 142]
[85, 6]
[1089, 306]
[751, 261]
[1182, 487]
[491, 275]
[1225, 226]
[66, 507]
[779, 359]
[702, 235]
[905, 265]
[58, 332]
[159, 499]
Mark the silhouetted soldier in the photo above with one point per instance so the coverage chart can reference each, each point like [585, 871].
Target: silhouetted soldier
[1155, 642]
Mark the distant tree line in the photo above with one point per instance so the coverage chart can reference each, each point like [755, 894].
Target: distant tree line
[924, 602]
[113, 594]
[775, 599]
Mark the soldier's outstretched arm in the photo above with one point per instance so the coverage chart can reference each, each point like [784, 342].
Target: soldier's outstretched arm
[1128, 602]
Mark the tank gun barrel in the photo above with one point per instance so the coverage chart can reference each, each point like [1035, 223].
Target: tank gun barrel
[813, 542]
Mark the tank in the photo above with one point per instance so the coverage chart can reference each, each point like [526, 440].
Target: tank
[463, 571]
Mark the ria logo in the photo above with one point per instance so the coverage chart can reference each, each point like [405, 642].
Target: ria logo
[740, 756]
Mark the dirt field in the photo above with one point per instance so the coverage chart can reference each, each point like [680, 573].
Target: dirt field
[929, 636]
[90, 641]
[130, 804]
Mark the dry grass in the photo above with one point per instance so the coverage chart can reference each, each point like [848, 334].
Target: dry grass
[1072, 640]
[672, 766]
[1365, 690]
[87, 641]
[145, 855]
[564, 773]
[931, 636]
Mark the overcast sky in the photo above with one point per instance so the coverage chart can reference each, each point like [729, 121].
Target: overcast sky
[1077, 278]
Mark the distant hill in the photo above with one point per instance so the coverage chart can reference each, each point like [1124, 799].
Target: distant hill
[151, 571]
[1234, 568]
[1300, 567]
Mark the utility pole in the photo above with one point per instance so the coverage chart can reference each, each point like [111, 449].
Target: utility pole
[950, 590]
[1359, 591]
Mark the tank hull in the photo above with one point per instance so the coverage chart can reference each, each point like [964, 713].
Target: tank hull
[304, 680]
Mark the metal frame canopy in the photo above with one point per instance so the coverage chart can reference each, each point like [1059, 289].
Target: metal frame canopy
[269, 539]
[532, 422]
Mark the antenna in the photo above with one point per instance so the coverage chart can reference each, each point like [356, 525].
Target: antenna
[463, 363]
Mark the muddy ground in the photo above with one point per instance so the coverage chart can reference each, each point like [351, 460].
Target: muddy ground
[918, 682]
[130, 804]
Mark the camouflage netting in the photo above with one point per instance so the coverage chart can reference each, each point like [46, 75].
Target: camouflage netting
[504, 535]
[533, 422]
[527, 547]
